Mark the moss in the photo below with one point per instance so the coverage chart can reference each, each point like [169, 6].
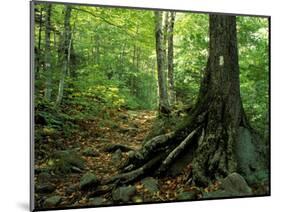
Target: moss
[63, 161]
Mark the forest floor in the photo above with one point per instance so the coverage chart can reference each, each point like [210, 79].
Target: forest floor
[92, 145]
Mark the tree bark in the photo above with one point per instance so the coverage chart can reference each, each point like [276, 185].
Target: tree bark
[164, 107]
[64, 53]
[165, 40]
[220, 102]
[38, 55]
[170, 38]
[47, 59]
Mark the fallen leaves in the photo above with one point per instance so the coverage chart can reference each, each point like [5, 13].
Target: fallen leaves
[98, 136]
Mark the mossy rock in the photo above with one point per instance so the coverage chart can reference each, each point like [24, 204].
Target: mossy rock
[150, 184]
[89, 152]
[236, 184]
[52, 201]
[96, 201]
[186, 195]
[44, 188]
[123, 193]
[44, 177]
[88, 180]
[217, 194]
[64, 161]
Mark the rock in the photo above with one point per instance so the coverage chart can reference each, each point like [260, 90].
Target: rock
[150, 184]
[137, 199]
[131, 130]
[186, 195]
[114, 147]
[236, 184]
[108, 202]
[45, 188]
[131, 154]
[123, 194]
[52, 201]
[67, 159]
[71, 189]
[217, 194]
[117, 157]
[248, 158]
[123, 116]
[89, 152]
[41, 170]
[88, 180]
[44, 177]
[96, 201]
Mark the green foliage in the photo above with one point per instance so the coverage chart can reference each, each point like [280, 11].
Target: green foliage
[254, 69]
[191, 43]
[113, 65]
[110, 66]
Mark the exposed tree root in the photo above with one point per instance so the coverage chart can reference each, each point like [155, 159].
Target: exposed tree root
[179, 149]
[101, 190]
[156, 154]
[133, 175]
[148, 150]
[114, 147]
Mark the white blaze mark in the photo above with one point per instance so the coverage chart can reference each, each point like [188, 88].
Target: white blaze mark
[221, 61]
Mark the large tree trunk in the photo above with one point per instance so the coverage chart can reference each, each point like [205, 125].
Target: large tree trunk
[64, 53]
[47, 59]
[217, 131]
[164, 107]
[220, 103]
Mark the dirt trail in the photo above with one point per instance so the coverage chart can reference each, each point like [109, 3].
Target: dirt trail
[127, 128]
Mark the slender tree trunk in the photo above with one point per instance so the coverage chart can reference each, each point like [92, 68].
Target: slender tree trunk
[164, 107]
[138, 60]
[64, 53]
[47, 63]
[170, 38]
[38, 56]
[165, 40]
[72, 61]
[97, 45]
[134, 54]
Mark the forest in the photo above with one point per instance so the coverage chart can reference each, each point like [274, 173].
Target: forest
[137, 106]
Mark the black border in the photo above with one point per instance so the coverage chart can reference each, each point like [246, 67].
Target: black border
[32, 124]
